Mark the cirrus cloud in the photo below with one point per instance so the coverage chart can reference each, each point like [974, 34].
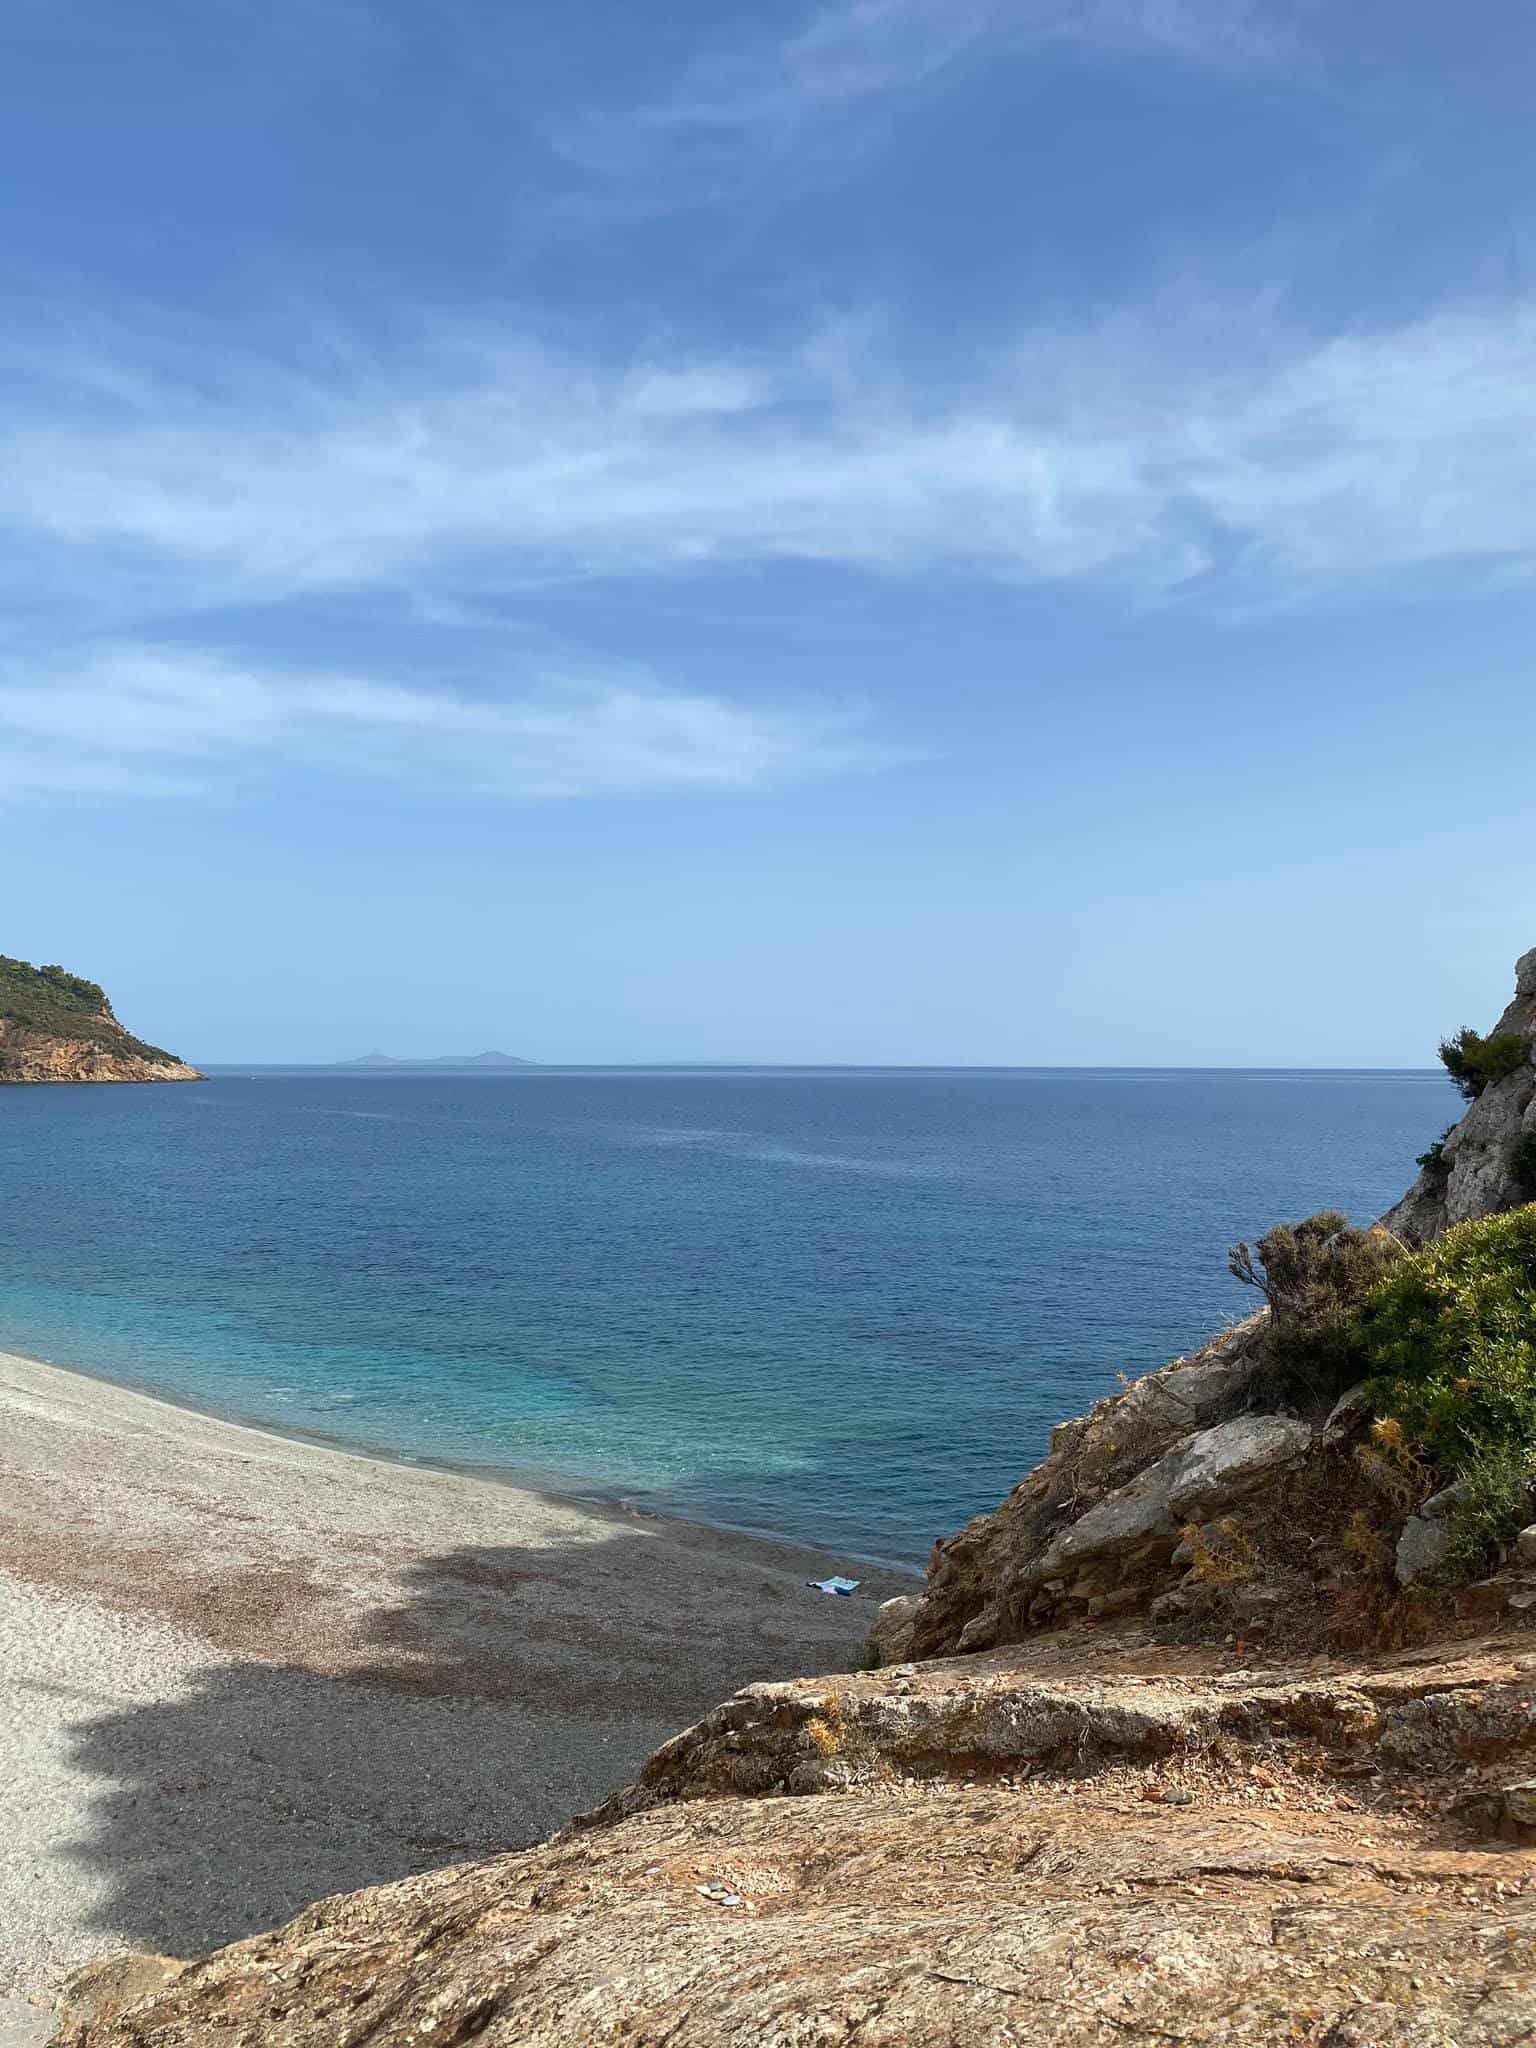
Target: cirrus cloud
[1186, 447]
[137, 720]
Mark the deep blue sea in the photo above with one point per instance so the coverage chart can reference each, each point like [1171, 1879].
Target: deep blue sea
[839, 1306]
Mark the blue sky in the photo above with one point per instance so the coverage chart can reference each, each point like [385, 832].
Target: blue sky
[896, 530]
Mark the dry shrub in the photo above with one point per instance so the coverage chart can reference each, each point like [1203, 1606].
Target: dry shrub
[1371, 1615]
[823, 1736]
[1223, 1557]
[1392, 1466]
[1316, 1276]
[1366, 1542]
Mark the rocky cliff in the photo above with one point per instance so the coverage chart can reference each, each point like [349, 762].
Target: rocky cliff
[1220, 1491]
[1179, 1744]
[1475, 1174]
[55, 1026]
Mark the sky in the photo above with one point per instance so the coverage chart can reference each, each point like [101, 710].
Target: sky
[890, 531]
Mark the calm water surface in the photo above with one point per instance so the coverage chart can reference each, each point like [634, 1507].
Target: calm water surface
[844, 1307]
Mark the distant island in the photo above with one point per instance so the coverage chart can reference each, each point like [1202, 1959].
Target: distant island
[56, 1026]
[452, 1059]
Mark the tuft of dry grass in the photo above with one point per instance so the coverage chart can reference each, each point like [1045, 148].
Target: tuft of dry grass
[1393, 1467]
[1225, 1557]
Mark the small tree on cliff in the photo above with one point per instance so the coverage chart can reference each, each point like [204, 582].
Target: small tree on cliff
[1475, 1063]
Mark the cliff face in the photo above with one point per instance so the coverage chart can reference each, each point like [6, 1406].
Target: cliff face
[24, 1057]
[55, 1026]
[1278, 1498]
[1473, 1176]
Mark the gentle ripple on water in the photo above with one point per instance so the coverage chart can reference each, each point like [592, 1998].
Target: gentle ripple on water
[844, 1307]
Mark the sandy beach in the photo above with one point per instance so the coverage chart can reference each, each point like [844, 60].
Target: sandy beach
[239, 1672]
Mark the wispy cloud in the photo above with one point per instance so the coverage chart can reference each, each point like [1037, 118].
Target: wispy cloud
[797, 94]
[152, 721]
[1185, 449]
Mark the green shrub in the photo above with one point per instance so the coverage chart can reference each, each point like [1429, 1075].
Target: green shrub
[1434, 1161]
[1494, 1507]
[1451, 1334]
[54, 986]
[1451, 1337]
[1316, 1276]
[50, 1002]
[1522, 1164]
[1475, 1063]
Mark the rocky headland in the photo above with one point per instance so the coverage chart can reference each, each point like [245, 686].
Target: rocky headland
[1220, 1729]
[56, 1026]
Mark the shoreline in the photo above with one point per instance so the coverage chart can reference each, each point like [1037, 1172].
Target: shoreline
[240, 1670]
[586, 1495]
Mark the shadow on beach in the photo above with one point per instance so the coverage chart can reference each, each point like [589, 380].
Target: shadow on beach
[504, 1690]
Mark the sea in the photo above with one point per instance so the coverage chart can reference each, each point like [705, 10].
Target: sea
[842, 1307]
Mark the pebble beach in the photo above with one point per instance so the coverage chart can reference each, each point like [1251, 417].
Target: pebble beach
[239, 1672]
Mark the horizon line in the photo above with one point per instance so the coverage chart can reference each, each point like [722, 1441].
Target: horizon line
[523, 1067]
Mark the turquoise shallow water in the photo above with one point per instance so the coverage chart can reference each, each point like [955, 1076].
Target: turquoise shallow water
[842, 1307]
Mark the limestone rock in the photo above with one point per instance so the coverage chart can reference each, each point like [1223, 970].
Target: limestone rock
[1518, 1802]
[1219, 1466]
[104, 1989]
[1347, 1417]
[890, 1636]
[1169, 1606]
[983, 1581]
[68, 1059]
[1201, 1476]
[1474, 1177]
[1525, 1545]
[1127, 1519]
[1440, 1504]
[1420, 1547]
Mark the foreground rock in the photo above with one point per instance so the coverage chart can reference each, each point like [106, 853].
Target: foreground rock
[997, 1849]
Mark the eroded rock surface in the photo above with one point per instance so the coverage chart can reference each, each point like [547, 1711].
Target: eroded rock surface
[1109, 1477]
[68, 1059]
[984, 1852]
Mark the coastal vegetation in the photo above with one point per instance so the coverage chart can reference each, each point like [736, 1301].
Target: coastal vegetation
[1451, 1337]
[1433, 1160]
[1475, 1063]
[1443, 1341]
[55, 1025]
[1316, 1276]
